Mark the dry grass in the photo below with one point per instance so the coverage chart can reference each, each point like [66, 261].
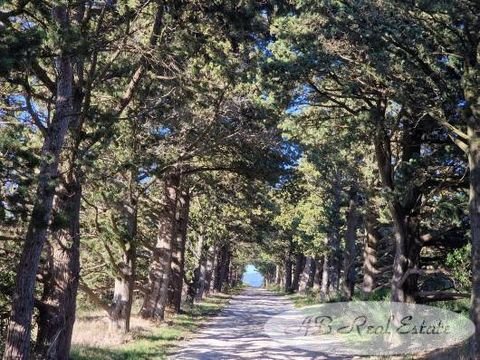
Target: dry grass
[92, 338]
[93, 329]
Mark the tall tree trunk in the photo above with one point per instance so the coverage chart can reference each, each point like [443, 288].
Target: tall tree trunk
[211, 265]
[123, 294]
[178, 254]
[308, 273]
[317, 278]
[334, 258]
[407, 254]
[325, 276]
[407, 245]
[311, 275]
[202, 269]
[372, 239]
[299, 265]
[159, 275]
[221, 270]
[349, 271]
[227, 267]
[278, 275]
[472, 115]
[17, 342]
[59, 319]
[121, 308]
[57, 310]
[288, 273]
[333, 264]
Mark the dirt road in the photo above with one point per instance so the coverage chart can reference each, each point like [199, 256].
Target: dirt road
[237, 333]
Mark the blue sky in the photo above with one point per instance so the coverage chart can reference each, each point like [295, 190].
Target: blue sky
[251, 277]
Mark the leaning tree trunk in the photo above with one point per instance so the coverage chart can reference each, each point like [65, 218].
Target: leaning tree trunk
[159, 274]
[57, 309]
[178, 254]
[17, 341]
[349, 271]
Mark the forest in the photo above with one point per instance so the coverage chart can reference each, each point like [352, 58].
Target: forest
[151, 149]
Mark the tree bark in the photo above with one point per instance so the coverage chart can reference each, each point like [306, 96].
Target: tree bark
[299, 265]
[121, 308]
[325, 276]
[211, 265]
[472, 117]
[178, 254]
[407, 248]
[159, 274]
[334, 258]
[349, 271]
[317, 278]
[17, 343]
[123, 294]
[278, 275]
[288, 273]
[202, 270]
[57, 313]
[221, 270]
[308, 273]
[372, 239]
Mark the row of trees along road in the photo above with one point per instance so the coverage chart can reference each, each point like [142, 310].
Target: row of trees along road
[150, 149]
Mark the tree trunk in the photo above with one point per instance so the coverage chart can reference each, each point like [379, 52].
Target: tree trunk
[178, 255]
[333, 264]
[317, 278]
[334, 258]
[474, 208]
[123, 294]
[159, 275]
[17, 342]
[226, 270]
[407, 248]
[278, 275]
[306, 278]
[202, 271]
[288, 274]
[57, 312]
[350, 256]
[221, 270]
[299, 264]
[121, 308]
[325, 276]
[370, 253]
[211, 265]
[311, 274]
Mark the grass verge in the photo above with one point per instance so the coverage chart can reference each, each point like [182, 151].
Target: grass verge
[148, 340]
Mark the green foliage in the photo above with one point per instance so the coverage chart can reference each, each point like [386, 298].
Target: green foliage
[459, 261]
